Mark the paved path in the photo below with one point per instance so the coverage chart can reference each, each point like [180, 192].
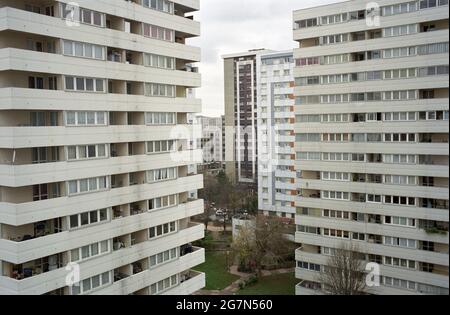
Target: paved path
[213, 228]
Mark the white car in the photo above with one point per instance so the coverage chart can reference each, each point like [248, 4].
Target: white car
[219, 213]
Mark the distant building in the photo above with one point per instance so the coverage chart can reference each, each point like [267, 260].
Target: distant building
[211, 141]
[276, 138]
[241, 153]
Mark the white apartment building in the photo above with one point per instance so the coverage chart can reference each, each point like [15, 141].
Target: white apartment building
[276, 138]
[211, 141]
[372, 141]
[95, 148]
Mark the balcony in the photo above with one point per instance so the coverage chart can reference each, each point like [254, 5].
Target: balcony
[32, 231]
[193, 281]
[33, 268]
[121, 229]
[19, 175]
[308, 288]
[114, 26]
[189, 281]
[55, 278]
[374, 246]
[16, 98]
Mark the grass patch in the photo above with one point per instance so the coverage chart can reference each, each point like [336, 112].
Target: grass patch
[215, 268]
[282, 284]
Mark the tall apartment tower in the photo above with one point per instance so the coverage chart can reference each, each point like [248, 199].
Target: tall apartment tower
[276, 117]
[372, 141]
[95, 148]
[241, 149]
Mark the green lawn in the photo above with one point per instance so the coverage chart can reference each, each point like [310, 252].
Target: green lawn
[283, 284]
[215, 268]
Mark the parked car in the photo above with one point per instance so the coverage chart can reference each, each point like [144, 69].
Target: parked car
[220, 213]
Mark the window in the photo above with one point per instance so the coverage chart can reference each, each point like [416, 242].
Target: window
[91, 17]
[160, 118]
[164, 285]
[78, 49]
[163, 229]
[343, 215]
[159, 33]
[399, 137]
[398, 283]
[92, 284]
[334, 39]
[308, 229]
[432, 71]
[164, 146]
[308, 137]
[373, 198]
[82, 15]
[400, 221]
[399, 200]
[45, 155]
[86, 152]
[89, 251]
[358, 236]
[336, 233]
[335, 195]
[426, 4]
[164, 257]
[162, 202]
[439, 48]
[88, 218]
[399, 8]
[36, 83]
[159, 90]
[87, 185]
[399, 159]
[84, 84]
[358, 157]
[308, 118]
[399, 242]
[86, 118]
[400, 180]
[400, 116]
[308, 266]
[335, 157]
[335, 118]
[159, 5]
[400, 30]
[158, 61]
[335, 176]
[307, 61]
[335, 137]
[402, 263]
[162, 174]
[311, 156]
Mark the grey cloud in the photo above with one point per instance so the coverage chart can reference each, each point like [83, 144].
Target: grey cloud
[230, 26]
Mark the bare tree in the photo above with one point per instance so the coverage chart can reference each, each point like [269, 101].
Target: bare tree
[243, 248]
[344, 273]
[263, 244]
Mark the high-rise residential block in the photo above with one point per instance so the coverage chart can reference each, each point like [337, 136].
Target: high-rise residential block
[241, 119]
[372, 144]
[211, 141]
[276, 138]
[95, 147]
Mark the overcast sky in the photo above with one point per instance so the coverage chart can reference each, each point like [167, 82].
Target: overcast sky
[230, 26]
